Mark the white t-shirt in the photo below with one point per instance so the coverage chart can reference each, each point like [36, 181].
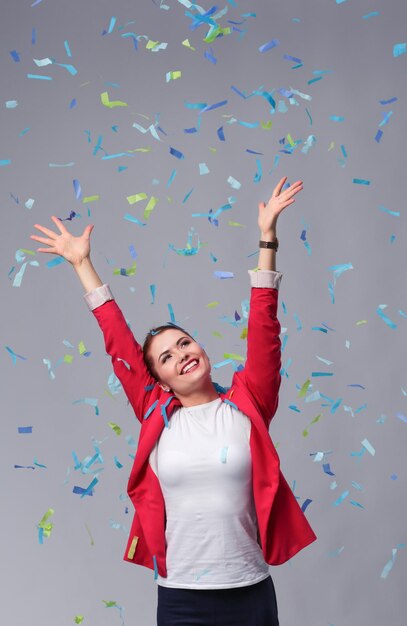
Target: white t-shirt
[204, 466]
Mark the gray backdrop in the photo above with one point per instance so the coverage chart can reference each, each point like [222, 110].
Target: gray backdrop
[336, 80]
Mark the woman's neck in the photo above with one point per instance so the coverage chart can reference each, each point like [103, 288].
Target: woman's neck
[200, 396]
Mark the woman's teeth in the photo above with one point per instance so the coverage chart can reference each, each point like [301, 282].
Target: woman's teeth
[189, 367]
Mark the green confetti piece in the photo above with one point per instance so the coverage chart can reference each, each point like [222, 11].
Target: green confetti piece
[115, 428]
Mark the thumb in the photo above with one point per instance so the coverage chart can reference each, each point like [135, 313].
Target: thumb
[262, 205]
[88, 230]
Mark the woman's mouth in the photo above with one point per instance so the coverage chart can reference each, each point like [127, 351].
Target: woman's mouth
[190, 366]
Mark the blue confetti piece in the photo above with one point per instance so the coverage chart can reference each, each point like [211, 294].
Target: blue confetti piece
[327, 469]
[211, 107]
[288, 57]
[305, 504]
[81, 491]
[221, 134]
[239, 93]
[269, 45]
[150, 410]
[117, 463]
[4, 162]
[210, 56]
[33, 36]
[222, 275]
[77, 189]
[132, 251]
[25, 430]
[153, 292]
[337, 118]
[176, 153]
[15, 56]
[394, 99]
[379, 135]
[164, 412]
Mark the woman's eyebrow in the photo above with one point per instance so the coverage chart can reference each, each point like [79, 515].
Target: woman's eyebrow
[168, 349]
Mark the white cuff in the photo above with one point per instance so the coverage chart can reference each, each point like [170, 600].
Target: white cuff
[98, 296]
[265, 278]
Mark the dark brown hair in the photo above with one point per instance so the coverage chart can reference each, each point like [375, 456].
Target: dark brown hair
[149, 339]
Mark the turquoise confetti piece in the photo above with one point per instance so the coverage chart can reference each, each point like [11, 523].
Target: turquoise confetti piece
[90, 487]
[223, 454]
[39, 77]
[131, 218]
[399, 49]
[153, 289]
[395, 213]
[361, 181]
[223, 363]
[155, 567]
[389, 565]
[366, 444]
[171, 311]
[384, 317]
[297, 319]
[67, 49]
[341, 498]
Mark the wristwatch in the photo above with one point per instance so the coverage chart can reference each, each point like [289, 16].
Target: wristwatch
[269, 244]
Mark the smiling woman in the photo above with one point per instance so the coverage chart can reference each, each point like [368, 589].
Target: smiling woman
[212, 508]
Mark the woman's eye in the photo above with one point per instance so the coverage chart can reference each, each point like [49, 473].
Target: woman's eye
[167, 356]
[186, 342]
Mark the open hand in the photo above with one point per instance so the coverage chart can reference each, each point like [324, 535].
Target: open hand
[268, 213]
[73, 249]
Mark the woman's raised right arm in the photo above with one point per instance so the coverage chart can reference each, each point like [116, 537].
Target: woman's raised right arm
[125, 352]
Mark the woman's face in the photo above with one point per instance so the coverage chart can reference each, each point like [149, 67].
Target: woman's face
[179, 362]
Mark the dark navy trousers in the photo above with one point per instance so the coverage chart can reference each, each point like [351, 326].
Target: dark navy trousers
[254, 605]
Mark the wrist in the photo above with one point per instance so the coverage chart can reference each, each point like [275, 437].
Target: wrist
[269, 235]
[85, 262]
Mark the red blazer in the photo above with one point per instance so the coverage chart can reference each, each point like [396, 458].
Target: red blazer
[283, 529]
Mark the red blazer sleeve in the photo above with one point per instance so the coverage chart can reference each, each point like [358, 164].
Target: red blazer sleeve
[126, 354]
[261, 374]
